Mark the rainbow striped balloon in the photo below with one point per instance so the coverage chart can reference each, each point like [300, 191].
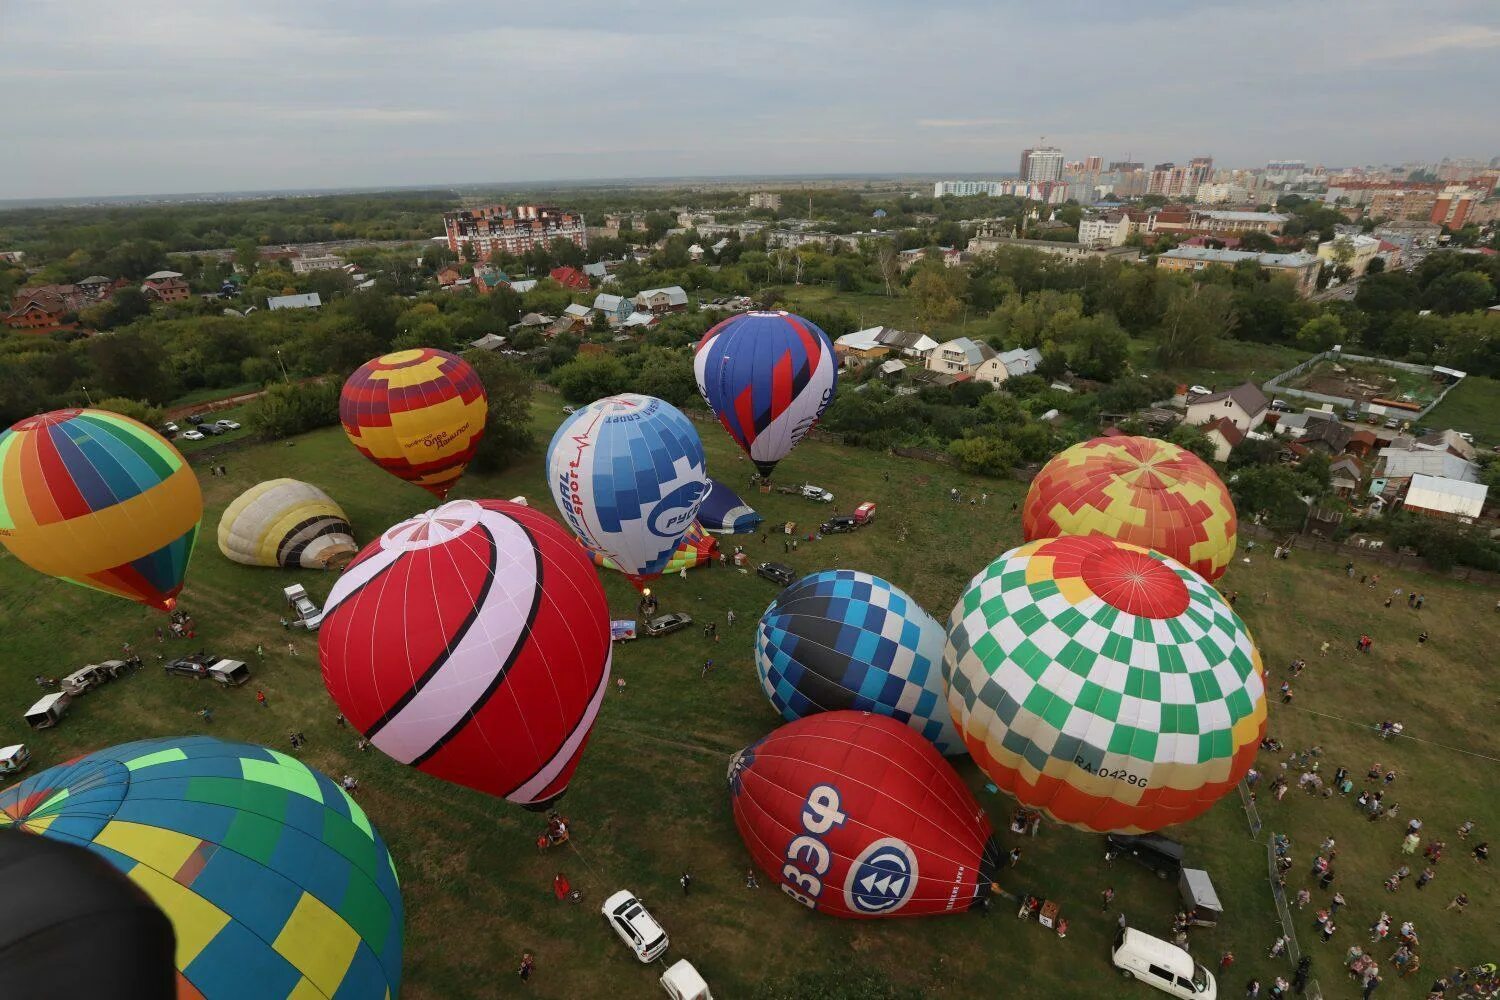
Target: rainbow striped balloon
[100, 500]
[418, 414]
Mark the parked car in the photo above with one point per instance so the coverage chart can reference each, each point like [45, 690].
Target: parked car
[636, 927]
[817, 493]
[309, 615]
[1160, 854]
[1199, 390]
[1391, 423]
[1281, 406]
[683, 982]
[195, 419]
[95, 674]
[207, 666]
[1161, 964]
[666, 624]
[838, 525]
[864, 513]
[777, 573]
[228, 425]
[193, 435]
[49, 710]
[570, 408]
[13, 760]
[212, 430]
[1351, 414]
[1466, 436]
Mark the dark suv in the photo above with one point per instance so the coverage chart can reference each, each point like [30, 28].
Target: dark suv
[838, 525]
[1162, 855]
[777, 573]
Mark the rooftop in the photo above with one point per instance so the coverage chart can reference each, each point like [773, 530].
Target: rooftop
[1248, 396]
[1209, 256]
[1247, 216]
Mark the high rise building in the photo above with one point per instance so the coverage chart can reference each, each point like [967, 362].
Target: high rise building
[503, 229]
[1201, 169]
[1093, 164]
[1041, 164]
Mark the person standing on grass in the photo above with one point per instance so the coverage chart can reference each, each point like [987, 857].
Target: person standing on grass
[260, 699]
[528, 963]
[1482, 852]
[1226, 959]
[1371, 987]
[1252, 990]
[1299, 979]
[1015, 856]
[1106, 897]
[686, 881]
[1338, 901]
[1277, 947]
[1422, 638]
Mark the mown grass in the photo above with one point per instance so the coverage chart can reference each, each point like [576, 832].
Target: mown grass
[1474, 406]
[649, 797]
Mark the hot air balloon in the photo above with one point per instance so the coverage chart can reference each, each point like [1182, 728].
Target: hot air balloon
[418, 414]
[100, 500]
[472, 642]
[1106, 684]
[856, 815]
[724, 513]
[274, 880]
[287, 523]
[1139, 490]
[768, 377]
[627, 473]
[845, 639]
[698, 548]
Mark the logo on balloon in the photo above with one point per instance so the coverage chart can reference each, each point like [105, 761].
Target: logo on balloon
[882, 879]
[675, 511]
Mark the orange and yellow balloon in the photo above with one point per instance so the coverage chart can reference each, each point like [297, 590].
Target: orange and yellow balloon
[418, 414]
[100, 500]
[1139, 490]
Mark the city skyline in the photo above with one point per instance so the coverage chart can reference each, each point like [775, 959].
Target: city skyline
[209, 98]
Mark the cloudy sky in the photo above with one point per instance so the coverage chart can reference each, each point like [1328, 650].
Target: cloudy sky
[132, 98]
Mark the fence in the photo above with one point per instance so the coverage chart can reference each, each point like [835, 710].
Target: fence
[1276, 384]
[1252, 815]
[1284, 914]
[1393, 558]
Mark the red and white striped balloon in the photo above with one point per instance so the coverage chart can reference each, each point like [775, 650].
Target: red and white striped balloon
[472, 642]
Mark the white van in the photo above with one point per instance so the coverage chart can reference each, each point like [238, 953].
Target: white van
[683, 982]
[13, 759]
[1161, 964]
[46, 713]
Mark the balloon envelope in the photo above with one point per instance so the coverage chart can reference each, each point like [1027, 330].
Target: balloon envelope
[287, 523]
[768, 377]
[628, 475]
[274, 880]
[418, 414]
[1104, 683]
[724, 513]
[98, 499]
[856, 815]
[698, 548]
[1140, 490]
[472, 642]
[845, 639]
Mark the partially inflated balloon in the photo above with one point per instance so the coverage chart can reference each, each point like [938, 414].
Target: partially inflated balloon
[1106, 684]
[1139, 490]
[768, 377]
[418, 414]
[698, 548]
[100, 500]
[472, 642]
[274, 880]
[628, 475]
[856, 815]
[288, 523]
[724, 513]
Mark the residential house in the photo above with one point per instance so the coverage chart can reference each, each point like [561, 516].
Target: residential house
[1390, 253]
[1362, 444]
[166, 286]
[1073, 253]
[640, 319]
[1245, 406]
[1449, 441]
[570, 278]
[599, 271]
[876, 341]
[1345, 475]
[96, 287]
[616, 308]
[695, 253]
[1111, 229]
[662, 300]
[1224, 434]
[449, 276]
[860, 346]
[310, 300]
[960, 356]
[1007, 364]
[1362, 249]
[489, 342]
[39, 310]
[1436, 495]
[1331, 437]
[487, 279]
[1302, 268]
[1403, 463]
[523, 286]
[324, 262]
[574, 319]
[1240, 222]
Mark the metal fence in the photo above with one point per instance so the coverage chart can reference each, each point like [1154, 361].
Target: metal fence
[1252, 815]
[1284, 914]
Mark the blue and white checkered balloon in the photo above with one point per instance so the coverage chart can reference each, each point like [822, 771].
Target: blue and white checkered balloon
[628, 475]
[842, 639]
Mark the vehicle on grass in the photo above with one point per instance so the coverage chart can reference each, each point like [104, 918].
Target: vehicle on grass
[93, 675]
[195, 419]
[228, 425]
[570, 409]
[683, 982]
[207, 666]
[864, 513]
[193, 435]
[13, 760]
[1161, 964]
[1200, 900]
[1466, 436]
[636, 927]
[777, 573]
[667, 623]
[1281, 406]
[212, 430]
[49, 710]
[1199, 390]
[838, 525]
[1162, 855]
[309, 615]
[1391, 423]
[817, 493]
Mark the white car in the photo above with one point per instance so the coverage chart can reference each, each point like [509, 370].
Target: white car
[228, 425]
[817, 493]
[636, 927]
[193, 435]
[1199, 390]
[170, 426]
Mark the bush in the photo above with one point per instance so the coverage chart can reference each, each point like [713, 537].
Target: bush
[135, 409]
[989, 456]
[286, 410]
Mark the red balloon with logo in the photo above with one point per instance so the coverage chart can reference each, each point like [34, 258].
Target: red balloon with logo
[857, 815]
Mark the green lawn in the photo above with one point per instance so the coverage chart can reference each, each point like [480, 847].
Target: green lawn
[1472, 406]
[649, 797]
[1234, 362]
[209, 395]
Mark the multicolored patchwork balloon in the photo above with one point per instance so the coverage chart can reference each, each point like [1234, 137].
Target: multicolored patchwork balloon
[288, 523]
[472, 643]
[274, 880]
[845, 639]
[1104, 683]
[698, 548]
[100, 500]
[1139, 490]
[418, 414]
[768, 377]
[628, 475]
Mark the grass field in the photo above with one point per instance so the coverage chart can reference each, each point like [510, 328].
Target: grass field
[1473, 406]
[1364, 381]
[649, 798]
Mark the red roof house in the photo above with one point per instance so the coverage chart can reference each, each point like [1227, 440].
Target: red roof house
[570, 277]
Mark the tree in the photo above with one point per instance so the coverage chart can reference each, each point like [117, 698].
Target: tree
[989, 456]
[127, 364]
[1459, 292]
[1259, 242]
[507, 427]
[1192, 324]
[1342, 251]
[135, 409]
[1099, 348]
[934, 297]
[1375, 266]
[247, 256]
[1321, 332]
[1192, 438]
[285, 410]
[1269, 490]
[665, 374]
[591, 377]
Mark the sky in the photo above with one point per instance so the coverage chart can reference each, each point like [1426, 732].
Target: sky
[105, 98]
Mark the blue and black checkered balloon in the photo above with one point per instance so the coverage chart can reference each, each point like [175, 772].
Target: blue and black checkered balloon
[845, 639]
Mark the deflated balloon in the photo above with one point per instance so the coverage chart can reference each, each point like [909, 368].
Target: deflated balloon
[287, 523]
[98, 499]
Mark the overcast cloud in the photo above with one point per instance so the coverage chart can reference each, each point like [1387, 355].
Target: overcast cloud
[126, 98]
